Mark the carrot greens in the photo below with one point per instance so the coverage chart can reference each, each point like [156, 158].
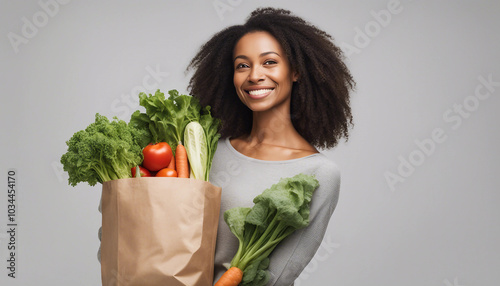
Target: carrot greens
[277, 213]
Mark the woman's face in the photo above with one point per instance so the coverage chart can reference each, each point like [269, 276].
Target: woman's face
[262, 75]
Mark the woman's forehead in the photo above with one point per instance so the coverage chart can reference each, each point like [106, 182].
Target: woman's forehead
[258, 44]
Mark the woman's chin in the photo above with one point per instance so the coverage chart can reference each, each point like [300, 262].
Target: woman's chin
[262, 108]
[267, 104]
[259, 106]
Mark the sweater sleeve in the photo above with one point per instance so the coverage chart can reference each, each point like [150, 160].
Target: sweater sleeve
[293, 254]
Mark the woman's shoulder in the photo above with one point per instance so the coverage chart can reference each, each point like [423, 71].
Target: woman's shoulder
[327, 169]
[327, 163]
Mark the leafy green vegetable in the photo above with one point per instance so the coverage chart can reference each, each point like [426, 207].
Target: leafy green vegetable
[103, 151]
[166, 119]
[278, 212]
[211, 127]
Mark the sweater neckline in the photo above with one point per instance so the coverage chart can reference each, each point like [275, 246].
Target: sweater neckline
[241, 155]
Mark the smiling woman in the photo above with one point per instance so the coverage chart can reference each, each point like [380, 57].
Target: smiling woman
[323, 86]
[281, 89]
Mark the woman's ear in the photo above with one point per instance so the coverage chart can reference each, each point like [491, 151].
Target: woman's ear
[295, 76]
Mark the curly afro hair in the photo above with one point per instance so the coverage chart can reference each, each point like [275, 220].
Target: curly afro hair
[320, 107]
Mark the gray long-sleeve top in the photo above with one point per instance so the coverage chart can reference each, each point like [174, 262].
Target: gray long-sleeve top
[243, 178]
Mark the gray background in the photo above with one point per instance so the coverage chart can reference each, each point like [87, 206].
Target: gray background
[438, 225]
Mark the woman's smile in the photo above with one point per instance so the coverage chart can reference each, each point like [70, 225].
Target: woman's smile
[259, 93]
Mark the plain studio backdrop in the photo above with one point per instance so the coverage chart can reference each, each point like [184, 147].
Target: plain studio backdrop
[419, 195]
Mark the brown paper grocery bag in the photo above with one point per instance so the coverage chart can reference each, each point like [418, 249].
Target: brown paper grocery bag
[158, 231]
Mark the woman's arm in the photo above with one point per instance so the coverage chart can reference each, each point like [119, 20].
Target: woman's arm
[291, 256]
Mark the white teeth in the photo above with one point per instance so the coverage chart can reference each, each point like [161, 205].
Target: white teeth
[259, 91]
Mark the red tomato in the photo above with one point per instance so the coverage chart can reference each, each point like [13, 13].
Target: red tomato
[167, 172]
[144, 172]
[157, 156]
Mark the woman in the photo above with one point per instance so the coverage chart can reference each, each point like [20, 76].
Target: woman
[281, 89]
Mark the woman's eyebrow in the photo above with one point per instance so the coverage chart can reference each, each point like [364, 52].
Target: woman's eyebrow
[261, 55]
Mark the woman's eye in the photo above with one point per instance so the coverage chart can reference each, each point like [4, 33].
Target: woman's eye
[239, 66]
[270, 62]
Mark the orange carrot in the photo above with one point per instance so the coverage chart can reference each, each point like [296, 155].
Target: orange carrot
[181, 161]
[232, 277]
[171, 165]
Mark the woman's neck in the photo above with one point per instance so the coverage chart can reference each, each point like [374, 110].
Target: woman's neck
[272, 126]
[273, 131]
[273, 137]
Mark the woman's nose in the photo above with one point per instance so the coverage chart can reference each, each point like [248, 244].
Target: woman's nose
[256, 75]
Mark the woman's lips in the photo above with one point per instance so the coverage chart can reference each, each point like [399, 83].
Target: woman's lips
[259, 93]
